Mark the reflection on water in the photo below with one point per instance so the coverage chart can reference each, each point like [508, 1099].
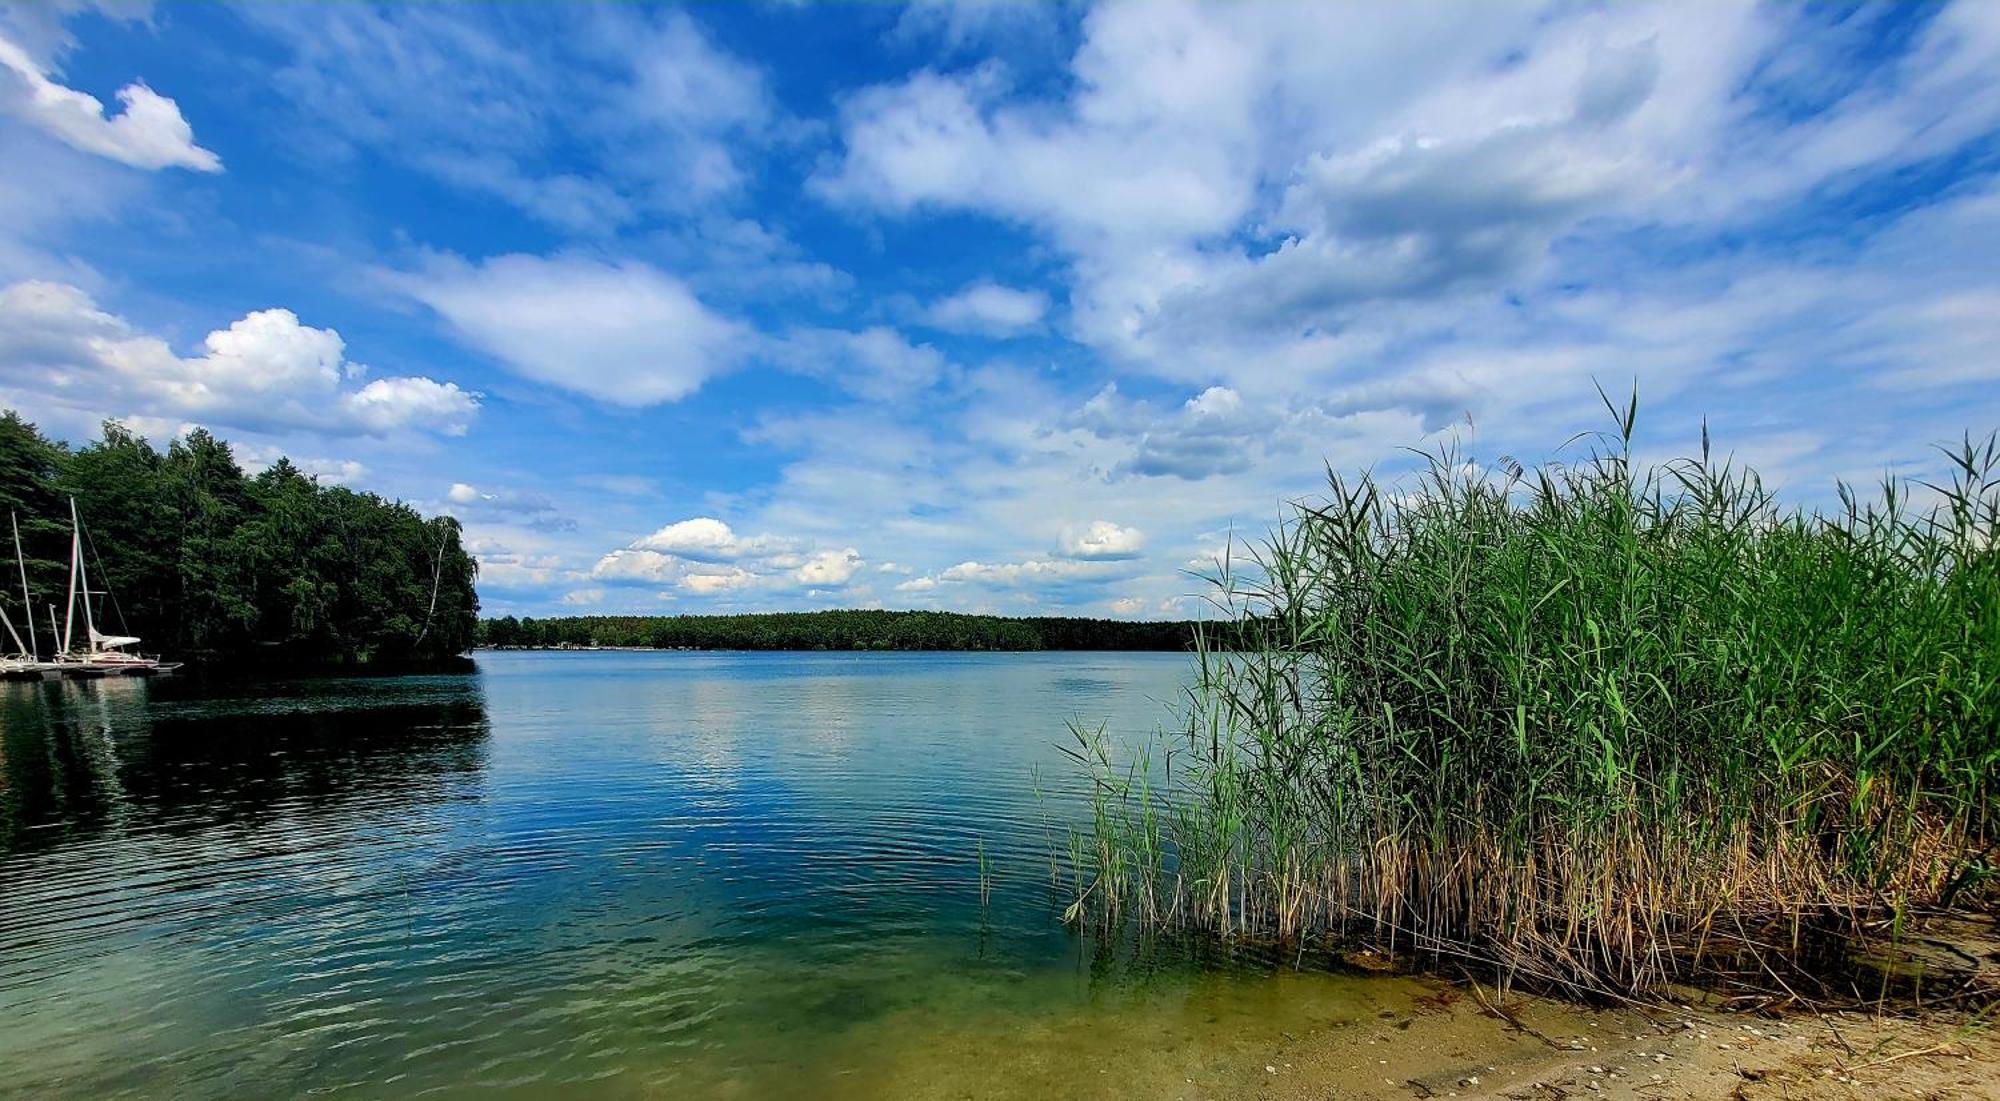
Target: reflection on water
[704, 874]
[79, 758]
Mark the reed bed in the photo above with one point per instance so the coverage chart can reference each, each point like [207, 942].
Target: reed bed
[1593, 725]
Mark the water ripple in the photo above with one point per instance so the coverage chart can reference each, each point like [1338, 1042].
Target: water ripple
[686, 871]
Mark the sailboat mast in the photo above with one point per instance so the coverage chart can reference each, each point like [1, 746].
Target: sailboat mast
[75, 562]
[27, 602]
[83, 578]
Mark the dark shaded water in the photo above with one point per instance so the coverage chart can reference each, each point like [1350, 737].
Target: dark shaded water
[624, 874]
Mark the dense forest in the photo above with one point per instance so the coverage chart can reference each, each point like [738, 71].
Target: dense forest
[846, 630]
[203, 562]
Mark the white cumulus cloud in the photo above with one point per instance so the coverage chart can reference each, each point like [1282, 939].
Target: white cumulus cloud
[706, 539]
[267, 371]
[989, 309]
[625, 333]
[638, 566]
[148, 132]
[706, 557]
[1103, 541]
[829, 568]
[717, 580]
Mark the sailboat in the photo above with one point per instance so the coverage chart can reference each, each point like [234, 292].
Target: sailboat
[103, 655]
[26, 660]
[23, 661]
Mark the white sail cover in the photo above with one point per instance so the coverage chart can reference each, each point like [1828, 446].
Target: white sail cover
[103, 641]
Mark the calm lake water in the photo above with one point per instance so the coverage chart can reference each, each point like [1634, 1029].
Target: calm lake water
[617, 874]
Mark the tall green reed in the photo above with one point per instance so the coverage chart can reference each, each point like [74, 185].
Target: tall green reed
[1593, 724]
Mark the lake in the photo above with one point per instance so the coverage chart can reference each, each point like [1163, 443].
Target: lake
[613, 874]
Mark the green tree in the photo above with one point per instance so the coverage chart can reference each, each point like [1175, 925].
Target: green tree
[29, 498]
[200, 561]
[209, 499]
[121, 495]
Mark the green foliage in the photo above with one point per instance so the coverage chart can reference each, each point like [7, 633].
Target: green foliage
[203, 562]
[28, 467]
[839, 630]
[1598, 725]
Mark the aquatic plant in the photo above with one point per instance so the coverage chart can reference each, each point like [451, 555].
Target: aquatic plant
[1597, 725]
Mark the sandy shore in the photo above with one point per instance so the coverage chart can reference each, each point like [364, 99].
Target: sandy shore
[1460, 1048]
[1395, 1038]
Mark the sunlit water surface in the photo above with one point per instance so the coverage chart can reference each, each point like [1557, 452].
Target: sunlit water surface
[621, 874]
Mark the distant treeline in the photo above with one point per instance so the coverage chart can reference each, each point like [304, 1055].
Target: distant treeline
[849, 630]
[203, 562]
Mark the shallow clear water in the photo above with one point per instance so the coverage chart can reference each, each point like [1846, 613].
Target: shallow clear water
[685, 874]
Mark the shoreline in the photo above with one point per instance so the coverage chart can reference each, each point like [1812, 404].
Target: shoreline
[1399, 1037]
[1470, 1050]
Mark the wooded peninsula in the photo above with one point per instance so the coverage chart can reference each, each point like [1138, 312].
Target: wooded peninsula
[203, 562]
[838, 630]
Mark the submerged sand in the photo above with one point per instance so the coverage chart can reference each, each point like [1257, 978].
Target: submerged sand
[1414, 1038]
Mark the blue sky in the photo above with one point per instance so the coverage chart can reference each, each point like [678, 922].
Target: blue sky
[987, 306]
